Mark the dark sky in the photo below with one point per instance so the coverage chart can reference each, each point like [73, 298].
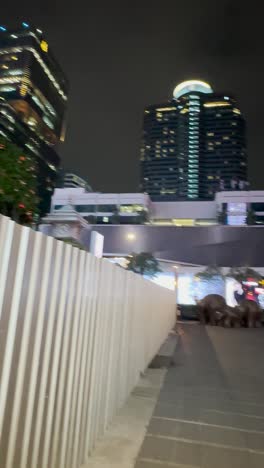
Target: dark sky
[121, 56]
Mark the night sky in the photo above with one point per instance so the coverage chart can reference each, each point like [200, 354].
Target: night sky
[121, 57]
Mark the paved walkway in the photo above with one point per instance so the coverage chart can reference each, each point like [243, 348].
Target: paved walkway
[210, 412]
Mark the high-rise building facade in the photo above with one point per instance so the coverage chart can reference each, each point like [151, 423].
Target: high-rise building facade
[33, 101]
[71, 180]
[193, 145]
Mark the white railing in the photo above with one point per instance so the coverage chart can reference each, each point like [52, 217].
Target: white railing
[75, 334]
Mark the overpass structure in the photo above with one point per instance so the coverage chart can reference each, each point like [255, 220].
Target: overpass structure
[207, 245]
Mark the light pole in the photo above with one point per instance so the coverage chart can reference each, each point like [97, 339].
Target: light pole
[131, 236]
[176, 281]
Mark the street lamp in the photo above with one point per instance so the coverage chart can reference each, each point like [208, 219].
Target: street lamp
[176, 281]
[131, 236]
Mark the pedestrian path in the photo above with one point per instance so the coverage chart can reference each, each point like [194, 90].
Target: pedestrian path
[210, 413]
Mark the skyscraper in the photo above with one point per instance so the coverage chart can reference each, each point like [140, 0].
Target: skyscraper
[33, 100]
[71, 180]
[193, 145]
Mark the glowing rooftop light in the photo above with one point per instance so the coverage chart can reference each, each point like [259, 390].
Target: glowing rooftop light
[39, 31]
[25, 25]
[192, 85]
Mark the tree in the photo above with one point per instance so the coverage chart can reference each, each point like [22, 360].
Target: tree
[209, 281]
[241, 274]
[142, 217]
[222, 217]
[18, 183]
[115, 218]
[251, 217]
[91, 219]
[143, 263]
[210, 273]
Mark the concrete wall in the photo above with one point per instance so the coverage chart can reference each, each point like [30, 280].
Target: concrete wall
[249, 196]
[214, 245]
[75, 333]
[185, 210]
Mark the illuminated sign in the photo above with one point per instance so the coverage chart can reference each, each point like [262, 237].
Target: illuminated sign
[237, 208]
[236, 220]
[44, 46]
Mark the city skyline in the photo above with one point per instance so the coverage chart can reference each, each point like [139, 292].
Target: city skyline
[113, 80]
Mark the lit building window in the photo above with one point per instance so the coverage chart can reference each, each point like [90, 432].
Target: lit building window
[48, 122]
[10, 79]
[217, 104]
[15, 72]
[131, 209]
[23, 89]
[41, 62]
[163, 109]
[7, 89]
[44, 46]
[32, 122]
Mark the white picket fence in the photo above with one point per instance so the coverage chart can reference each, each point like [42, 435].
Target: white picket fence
[75, 333]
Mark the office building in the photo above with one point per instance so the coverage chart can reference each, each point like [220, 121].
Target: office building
[33, 100]
[71, 180]
[103, 208]
[138, 208]
[176, 232]
[193, 145]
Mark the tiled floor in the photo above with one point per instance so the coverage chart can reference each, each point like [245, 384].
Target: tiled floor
[210, 412]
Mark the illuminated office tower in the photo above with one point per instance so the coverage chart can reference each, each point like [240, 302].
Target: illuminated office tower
[33, 101]
[193, 145]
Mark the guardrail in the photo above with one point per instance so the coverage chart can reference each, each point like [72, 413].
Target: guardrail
[75, 334]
